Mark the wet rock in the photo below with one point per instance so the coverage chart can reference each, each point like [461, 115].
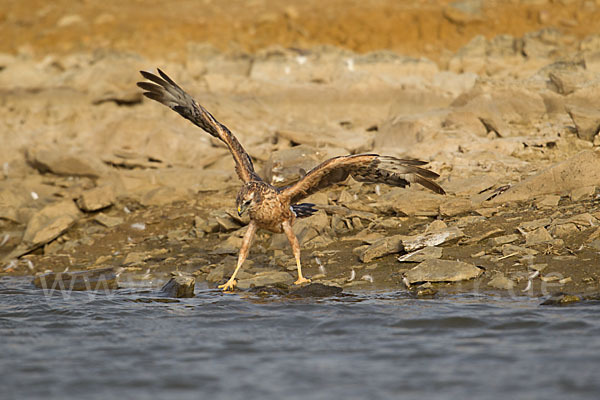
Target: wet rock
[265, 278]
[426, 292]
[272, 290]
[49, 223]
[179, 287]
[60, 162]
[95, 279]
[434, 270]
[380, 248]
[96, 199]
[315, 290]
[586, 120]
[421, 255]
[218, 273]
[561, 299]
[499, 281]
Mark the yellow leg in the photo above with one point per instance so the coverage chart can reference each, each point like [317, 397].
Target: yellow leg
[287, 228]
[244, 250]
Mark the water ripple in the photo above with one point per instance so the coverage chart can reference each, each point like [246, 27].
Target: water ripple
[130, 343]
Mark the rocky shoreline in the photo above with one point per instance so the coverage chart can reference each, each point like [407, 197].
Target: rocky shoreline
[95, 177]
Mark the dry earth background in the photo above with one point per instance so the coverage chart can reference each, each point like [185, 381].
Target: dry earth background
[502, 97]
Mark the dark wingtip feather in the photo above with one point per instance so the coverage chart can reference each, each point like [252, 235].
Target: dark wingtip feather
[304, 210]
[434, 187]
[147, 75]
[154, 96]
[166, 77]
[151, 87]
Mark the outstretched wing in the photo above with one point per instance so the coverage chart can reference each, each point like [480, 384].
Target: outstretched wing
[167, 92]
[365, 168]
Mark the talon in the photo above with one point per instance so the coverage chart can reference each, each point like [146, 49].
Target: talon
[301, 280]
[228, 286]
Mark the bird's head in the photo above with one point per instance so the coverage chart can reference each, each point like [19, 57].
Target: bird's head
[245, 199]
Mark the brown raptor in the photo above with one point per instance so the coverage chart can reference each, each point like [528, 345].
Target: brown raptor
[274, 208]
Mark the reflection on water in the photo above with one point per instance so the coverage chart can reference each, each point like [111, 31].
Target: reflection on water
[131, 344]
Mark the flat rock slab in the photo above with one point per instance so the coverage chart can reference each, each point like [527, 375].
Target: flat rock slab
[96, 199]
[380, 248]
[46, 225]
[581, 170]
[421, 255]
[63, 163]
[179, 287]
[94, 279]
[431, 238]
[266, 278]
[434, 270]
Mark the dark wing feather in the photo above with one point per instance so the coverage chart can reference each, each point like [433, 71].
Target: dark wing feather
[167, 92]
[370, 168]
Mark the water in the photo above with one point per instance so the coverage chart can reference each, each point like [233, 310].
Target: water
[368, 346]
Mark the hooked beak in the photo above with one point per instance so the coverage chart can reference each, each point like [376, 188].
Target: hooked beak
[241, 209]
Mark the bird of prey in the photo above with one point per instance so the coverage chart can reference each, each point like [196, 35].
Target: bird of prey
[275, 208]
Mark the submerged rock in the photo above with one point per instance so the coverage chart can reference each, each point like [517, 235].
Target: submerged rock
[442, 271]
[561, 299]
[94, 279]
[179, 287]
[315, 290]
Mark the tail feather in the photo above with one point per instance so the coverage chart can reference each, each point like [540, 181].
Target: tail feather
[303, 210]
